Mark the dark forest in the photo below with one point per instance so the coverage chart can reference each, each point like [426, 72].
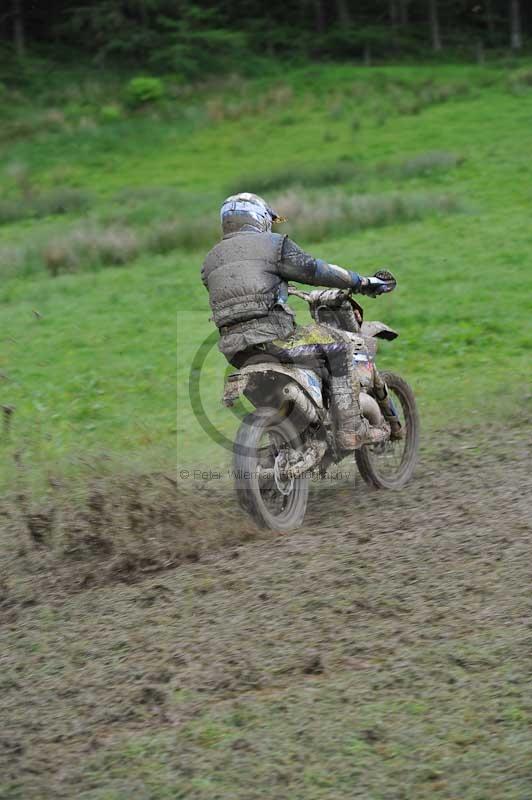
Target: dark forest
[195, 38]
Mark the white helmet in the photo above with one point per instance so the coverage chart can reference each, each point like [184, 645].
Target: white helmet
[247, 209]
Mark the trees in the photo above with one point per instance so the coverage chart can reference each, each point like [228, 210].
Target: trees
[192, 35]
[344, 15]
[516, 37]
[19, 38]
[403, 12]
[434, 22]
[14, 30]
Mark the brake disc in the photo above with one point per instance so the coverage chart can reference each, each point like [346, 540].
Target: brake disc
[284, 486]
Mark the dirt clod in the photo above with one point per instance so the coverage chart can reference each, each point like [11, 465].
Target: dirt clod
[313, 664]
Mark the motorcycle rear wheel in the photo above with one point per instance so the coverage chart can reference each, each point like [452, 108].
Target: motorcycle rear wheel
[391, 465]
[272, 504]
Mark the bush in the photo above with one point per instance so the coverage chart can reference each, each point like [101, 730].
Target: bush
[18, 260]
[520, 80]
[90, 247]
[312, 218]
[341, 172]
[62, 200]
[111, 113]
[182, 234]
[317, 219]
[165, 237]
[141, 91]
[298, 175]
[425, 164]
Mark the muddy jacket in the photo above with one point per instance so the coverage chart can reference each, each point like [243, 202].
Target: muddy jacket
[246, 275]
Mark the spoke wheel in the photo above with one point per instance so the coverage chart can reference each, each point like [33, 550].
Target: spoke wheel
[262, 444]
[390, 465]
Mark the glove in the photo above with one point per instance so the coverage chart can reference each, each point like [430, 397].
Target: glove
[382, 282]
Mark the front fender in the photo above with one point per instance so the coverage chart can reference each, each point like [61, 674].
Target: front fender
[378, 330]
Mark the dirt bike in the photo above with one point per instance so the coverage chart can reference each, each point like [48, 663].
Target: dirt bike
[291, 432]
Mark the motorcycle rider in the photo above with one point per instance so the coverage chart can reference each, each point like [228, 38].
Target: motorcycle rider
[246, 275]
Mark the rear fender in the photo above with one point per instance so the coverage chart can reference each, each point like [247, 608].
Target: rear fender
[237, 383]
[235, 386]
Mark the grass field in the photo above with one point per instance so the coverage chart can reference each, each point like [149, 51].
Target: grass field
[88, 356]
[154, 647]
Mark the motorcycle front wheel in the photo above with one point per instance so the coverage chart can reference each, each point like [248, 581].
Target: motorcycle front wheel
[390, 465]
[273, 502]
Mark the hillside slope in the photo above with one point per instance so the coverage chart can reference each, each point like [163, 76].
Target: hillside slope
[153, 643]
[88, 359]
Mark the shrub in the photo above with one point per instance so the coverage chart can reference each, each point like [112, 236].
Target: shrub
[408, 106]
[181, 234]
[117, 246]
[165, 237]
[426, 163]
[525, 76]
[141, 91]
[215, 109]
[298, 175]
[17, 260]
[111, 113]
[90, 247]
[520, 80]
[342, 171]
[58, 258]
[280, 95]
[53, 119]
[317, 219]
[87, 124]
[313, 219]
[63, 200]
[20, 175]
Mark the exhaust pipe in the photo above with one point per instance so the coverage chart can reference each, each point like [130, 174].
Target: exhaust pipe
[297, 396]
[370, 409]
[368, 405]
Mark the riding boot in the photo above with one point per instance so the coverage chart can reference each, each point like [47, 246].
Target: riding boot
[352, 429]
[387, 409]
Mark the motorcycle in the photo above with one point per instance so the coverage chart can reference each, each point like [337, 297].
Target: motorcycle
[290, 435]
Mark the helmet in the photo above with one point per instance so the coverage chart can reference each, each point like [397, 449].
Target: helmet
[247, 209]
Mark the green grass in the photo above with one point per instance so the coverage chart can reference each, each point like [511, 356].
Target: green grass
[92, 375]
[323, 739]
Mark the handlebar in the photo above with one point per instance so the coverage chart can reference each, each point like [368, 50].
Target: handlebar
[311, 297]
[297, 292]
[382, 282]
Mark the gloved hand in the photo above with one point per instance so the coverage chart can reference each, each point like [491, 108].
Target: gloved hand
[382, 282]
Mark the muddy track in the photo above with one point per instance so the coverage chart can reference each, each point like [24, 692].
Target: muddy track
[421, 597]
